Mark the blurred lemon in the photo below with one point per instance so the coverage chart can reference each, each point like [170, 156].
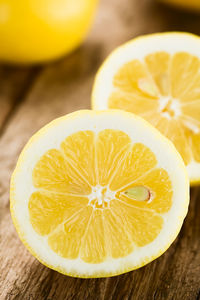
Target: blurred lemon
[39, 30]
[186, 4]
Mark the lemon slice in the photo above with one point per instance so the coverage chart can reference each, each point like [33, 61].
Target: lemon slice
[158, 77]
[96, 194]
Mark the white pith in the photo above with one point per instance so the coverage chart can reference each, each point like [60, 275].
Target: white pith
[173, 104]
[51, 136]
[97, 194]
[138, 49]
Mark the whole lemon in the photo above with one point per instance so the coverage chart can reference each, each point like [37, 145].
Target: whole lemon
[33, 31]
[193, 5]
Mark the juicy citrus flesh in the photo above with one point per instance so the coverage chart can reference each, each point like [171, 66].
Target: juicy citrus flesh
[39, 30]
[80, 202]
[164, 90]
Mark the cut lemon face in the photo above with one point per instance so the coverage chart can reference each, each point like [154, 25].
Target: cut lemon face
[158, 78]
[96, 194]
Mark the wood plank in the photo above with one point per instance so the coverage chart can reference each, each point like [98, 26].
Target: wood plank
[14, 82]
[62, 87]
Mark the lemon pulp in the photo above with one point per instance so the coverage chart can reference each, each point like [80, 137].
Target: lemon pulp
[80, 203]
[164, 89]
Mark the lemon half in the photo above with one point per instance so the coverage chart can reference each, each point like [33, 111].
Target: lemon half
[96, 194]
[158, 78]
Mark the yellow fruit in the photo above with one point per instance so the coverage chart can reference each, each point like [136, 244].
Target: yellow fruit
[40, 30]
[96, 194]
[193, 5]
[158, 78]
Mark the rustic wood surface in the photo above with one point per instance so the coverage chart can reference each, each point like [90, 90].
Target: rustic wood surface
[32, 96]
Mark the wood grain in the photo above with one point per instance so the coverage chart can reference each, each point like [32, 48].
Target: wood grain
[14, 82]
[31, 97]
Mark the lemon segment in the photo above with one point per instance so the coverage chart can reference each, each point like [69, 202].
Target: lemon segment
[48, 210]
[50, 174]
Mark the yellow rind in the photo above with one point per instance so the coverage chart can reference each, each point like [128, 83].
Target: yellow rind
[94, 105]
[123, 269]
[195, 182]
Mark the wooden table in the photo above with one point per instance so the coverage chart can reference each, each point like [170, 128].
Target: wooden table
[31, 97]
